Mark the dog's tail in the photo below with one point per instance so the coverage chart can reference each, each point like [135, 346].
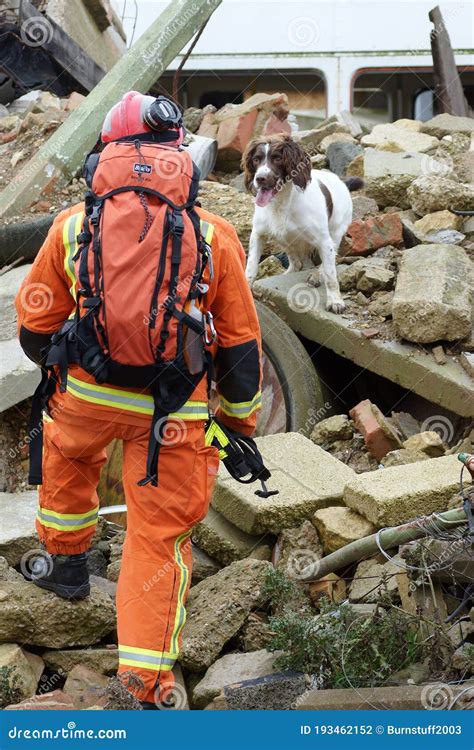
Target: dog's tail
[353, 183]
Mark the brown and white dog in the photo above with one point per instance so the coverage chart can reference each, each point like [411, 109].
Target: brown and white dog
[308, 210]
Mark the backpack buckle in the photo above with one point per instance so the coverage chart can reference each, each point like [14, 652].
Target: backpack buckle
[95, 215]
[176, 223]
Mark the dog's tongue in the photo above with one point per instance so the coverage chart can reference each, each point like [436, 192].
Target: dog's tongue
[263, 197]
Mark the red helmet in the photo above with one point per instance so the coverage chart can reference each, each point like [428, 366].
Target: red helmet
[137, 113]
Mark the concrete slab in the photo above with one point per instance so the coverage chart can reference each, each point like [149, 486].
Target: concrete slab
[10, 283]
[449, 386]
[19, 376]
[17, 530]
[396, 697]
[307, 478]
[227, 543]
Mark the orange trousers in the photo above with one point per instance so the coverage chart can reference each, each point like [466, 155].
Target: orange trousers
[156, 564]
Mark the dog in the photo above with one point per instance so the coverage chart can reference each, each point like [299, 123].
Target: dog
[308, 210]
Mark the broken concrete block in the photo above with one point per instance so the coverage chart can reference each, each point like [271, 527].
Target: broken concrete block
[203, 566]
[225, 542]
[363, 206]
[311, 139]
[297, 548]
[381, 304]
[342, 138]
[231, 669]
[306, 477]
[388, 137]
[275, 692]
[104, 660]
[40, 618]
[346, 118]
[427, 442]
[19, 376]
[340, 526]
[269, 266]
[86, 687]
[446, 124]
[57, 700]
[17, 530]
[379, 435]
[434, 193]
[432, 298]
[370, 234]
[218, 607]
[7, 573]
[19, 680]
[466, 360]
[389, 497]
[334, 428]
[256, 632]
[375, 279]
[463, 659]
[372, 580]
[403, 456]
[438, 220]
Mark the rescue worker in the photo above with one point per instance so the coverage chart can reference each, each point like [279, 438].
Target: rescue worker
[81, 422]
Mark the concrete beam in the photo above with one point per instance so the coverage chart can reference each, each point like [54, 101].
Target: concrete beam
[449, 386]
[62, 155]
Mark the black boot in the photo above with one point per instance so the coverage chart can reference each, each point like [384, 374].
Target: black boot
[66, 575]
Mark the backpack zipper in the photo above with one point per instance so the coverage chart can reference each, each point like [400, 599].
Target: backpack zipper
[159, 280]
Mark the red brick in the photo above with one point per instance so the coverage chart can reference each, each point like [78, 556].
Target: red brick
[378, 439]
[370, 234]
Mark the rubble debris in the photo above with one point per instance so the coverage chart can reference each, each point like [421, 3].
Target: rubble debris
[391, 137]
[369, 234]
[379, 436]
[466, 359]
[438, 220]
[255, 633]
[307, 479]
[225, 542]
[446, 124]
[340, 153]
[394, 698]
[217, 608]
[432, 299]
[270, 266]
[428, 442]
[339, 526]
[17, 532]
[331, 588]
[203, 565]
[86, 686]
[56, 700]
[311, 139]
[439, 355]
[363, 206]
[295, 548]
[397, 494]
[104, 660]
[275, 692]
[19, 678]
[372, 580]
[387, 175]
[339, 427]
[430, 193]
[33, 616]
[232, 669]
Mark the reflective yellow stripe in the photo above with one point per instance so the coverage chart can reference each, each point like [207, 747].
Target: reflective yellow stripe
[207, 231]
[140, 403]
[161, 667]
[180, 617]
[72, 227]
[143, 658]
[67, 521]
[215, 432]
[242, 409]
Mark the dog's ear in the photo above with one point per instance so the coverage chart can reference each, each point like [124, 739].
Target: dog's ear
[296, 163]
[247, 164]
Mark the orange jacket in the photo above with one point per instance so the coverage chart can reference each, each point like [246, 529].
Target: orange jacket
[45, 300]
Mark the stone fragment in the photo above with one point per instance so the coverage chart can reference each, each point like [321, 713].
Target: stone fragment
[17, 530]
[311, 139]
[346, 118]
[57, 700]
[256, 633]
[203, 566]
[403, 456]
[337, 138]
[34, 616]
[433, 193]
[331, 587]
[103, 660]
[389, 137]
[375, 279]
[218, 607]
[372, 580]
[297, 548]
[7, 573]
[428, 442]
[446, 236]
[363, 206]
[389, 497]
[279, 691]
[446, 124]
[340, 526]
[395, 698]
[438, 220]
[340, 153]
[19, 679]
[439, 355]
[74, 100]
[306, 477]
[432, 299]
[466, 360]
[232, 669]
[381, 304]
[10, 122]
[334, 428]
[463, 659]
[225, 542]
[86, 687]
[270, 266]
[379, 435]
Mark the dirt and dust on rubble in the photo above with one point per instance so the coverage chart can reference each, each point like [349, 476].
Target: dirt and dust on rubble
[395, 622]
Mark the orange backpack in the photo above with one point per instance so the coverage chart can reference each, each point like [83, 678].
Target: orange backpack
[139, 267]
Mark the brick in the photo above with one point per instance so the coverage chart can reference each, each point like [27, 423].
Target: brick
[370, 234]
[392, 496]
[307, 477]
[379, 437]
[432, 299]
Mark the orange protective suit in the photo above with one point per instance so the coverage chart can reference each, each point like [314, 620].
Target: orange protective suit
[157, 560]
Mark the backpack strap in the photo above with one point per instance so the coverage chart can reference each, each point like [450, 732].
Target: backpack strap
[41, 397]
[157, 431]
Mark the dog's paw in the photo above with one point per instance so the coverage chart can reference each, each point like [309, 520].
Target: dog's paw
[336, 306]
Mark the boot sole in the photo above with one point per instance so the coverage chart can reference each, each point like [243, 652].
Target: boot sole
[65, 592]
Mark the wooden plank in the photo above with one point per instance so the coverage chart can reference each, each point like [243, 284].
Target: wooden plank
[448, 88]
[64, 49]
